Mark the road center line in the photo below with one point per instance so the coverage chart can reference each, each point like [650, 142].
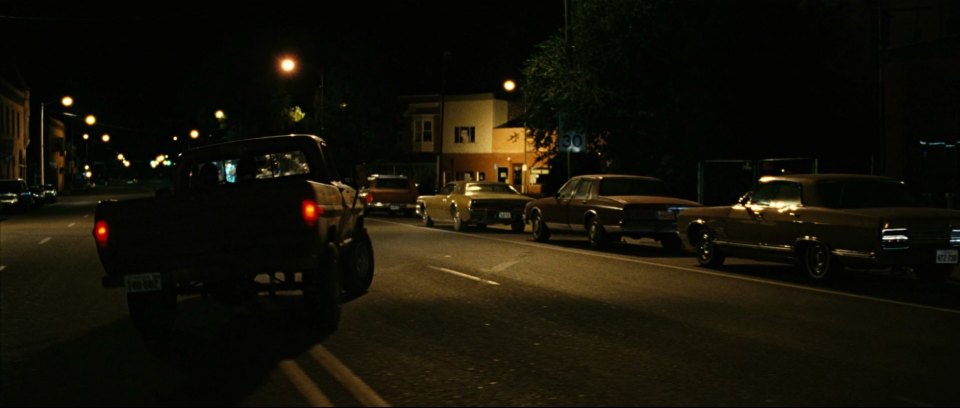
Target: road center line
[44, 241]
[463, 275]
[304, 384]
[366, 395]
[684, 268]
[71, 225]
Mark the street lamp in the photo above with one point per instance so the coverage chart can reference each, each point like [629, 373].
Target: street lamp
[288, 65]
[509, 85]
[65, 101]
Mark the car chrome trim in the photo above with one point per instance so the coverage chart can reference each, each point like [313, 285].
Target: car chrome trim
[778, 248]
[847, 253]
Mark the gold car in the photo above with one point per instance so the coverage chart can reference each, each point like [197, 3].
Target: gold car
[826, 222]
[479, 203]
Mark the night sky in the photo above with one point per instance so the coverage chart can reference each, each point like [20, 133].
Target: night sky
[153, 68]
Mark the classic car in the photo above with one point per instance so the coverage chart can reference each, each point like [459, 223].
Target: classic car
[389, 193]
[474, 202]
[607, 207]
[825, 223]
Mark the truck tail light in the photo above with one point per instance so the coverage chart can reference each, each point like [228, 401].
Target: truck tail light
[369, 198]
[310, 212]
[100, 233]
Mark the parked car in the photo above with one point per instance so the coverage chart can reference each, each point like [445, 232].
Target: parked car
[49, 193]
[480, 203]
[36, 195]
[392, 194]
[607, 207]
[826, 222]
[15, 196]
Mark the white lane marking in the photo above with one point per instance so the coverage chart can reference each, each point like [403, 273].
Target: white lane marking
[463, 275]
[86, 215]
[71, 225]
[503, 266]
[44, 241]
[2, 267]
[304, 384]
[350, 381]
[682, 268]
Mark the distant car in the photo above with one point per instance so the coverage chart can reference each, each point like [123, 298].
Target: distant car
[607, 207]
[826, 222]
[15, 196]
[36, 194]
[480, 203]
[392, 194]
[49, 193]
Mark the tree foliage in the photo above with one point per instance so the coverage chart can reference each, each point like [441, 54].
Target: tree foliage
[658, 85]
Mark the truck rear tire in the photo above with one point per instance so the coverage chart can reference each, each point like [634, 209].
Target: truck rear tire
[358, 266]
[153, 314]
[322, 292]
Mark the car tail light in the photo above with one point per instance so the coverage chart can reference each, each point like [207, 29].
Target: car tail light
[100, 233]
[310, 212]
[369, 198]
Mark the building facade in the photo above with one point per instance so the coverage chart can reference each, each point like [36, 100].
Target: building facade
[471, 137]
[14, 129]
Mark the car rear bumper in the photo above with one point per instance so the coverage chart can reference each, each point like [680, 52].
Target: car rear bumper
[496, 216]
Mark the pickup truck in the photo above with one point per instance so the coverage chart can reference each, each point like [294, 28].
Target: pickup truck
[243, 217]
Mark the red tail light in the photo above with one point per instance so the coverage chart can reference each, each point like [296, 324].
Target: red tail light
[369, 198]
[310, 212]
[100, 233]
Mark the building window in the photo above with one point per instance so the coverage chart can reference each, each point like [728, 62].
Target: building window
[464, 134]
[423, 131]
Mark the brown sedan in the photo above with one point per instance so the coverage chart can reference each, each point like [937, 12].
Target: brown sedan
[825, 222]
[606, 207]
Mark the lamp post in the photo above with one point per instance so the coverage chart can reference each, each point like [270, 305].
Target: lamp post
[509, 85]
[65, 101]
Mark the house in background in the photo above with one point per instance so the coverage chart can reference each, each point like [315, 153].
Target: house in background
[478, 141]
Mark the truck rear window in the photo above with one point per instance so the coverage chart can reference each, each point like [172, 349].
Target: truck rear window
[256, 167]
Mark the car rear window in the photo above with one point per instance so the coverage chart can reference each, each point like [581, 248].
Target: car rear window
[392, 183]
[867, 194]
[630, 187]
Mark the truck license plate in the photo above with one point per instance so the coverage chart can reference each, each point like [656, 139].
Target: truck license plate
[505, 215]
[947, 256]
[143, 282]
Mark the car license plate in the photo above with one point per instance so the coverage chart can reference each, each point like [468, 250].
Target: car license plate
[143, 282]
[506, 215]
[947, 256]
[666, 215]
[394, 207]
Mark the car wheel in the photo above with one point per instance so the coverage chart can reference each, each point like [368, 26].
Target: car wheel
[933, 273]
[671, 243]
[596, 234]
[517, 226]
[708, 254]
[458, 224]
[818, 263]
[322, 292]
[539, 228]
[427, 221]
[358, 266]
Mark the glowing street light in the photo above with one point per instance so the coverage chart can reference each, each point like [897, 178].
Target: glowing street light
[194, 134]
[219, 114]
[105, 138]
[90, 119]
[86, 136]
[288, 65]
[174, 138]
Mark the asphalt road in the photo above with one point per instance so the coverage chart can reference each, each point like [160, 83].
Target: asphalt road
[480, 318]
